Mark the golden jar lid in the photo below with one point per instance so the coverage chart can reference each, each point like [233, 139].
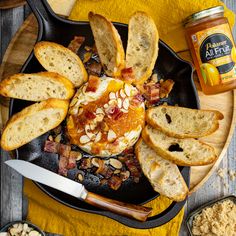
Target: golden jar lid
[204, 13]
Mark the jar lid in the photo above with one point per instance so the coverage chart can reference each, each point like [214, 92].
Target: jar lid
[201, 14]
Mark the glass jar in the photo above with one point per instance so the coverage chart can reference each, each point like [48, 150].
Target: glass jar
[213, 50]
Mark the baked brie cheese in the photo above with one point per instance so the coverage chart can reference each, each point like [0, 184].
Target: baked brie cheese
[106, 116]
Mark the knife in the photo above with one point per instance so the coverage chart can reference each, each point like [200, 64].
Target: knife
[73, 188]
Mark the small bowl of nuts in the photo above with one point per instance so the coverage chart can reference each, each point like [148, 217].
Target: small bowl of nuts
[214, 218]
[21, 228]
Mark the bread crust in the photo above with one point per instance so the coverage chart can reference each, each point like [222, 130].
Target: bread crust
[117, 43]
[67, 84]
[167, 156]
[177, 198]
[141, 80]
[31, 110]
[44, 45]
[164, 129]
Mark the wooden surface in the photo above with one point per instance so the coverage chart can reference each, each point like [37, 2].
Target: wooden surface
[6, 4]
[11, 183]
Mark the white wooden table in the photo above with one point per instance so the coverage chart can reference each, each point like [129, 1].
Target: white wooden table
[12, 204]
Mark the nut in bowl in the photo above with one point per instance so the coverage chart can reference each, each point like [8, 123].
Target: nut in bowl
[19, 228]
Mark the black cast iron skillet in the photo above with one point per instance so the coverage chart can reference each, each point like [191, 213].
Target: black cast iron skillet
[168, 65]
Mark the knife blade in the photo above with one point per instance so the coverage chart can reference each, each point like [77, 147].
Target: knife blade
[75, 189]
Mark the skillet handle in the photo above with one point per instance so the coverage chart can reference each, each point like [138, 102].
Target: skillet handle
[130, 210]
[44, 14]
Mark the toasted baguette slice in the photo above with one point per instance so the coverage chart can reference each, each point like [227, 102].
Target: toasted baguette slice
[142, 47]
[183, 122]
[183, 152]
[108, 44]
[32, 122]
[37, 87]
[164, 176]
[56, 58]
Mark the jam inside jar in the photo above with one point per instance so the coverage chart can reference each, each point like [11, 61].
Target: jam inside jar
[213, 49]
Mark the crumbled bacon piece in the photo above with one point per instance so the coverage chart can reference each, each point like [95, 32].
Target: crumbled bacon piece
[76, 43]
[114, 112]
[94, 68]
[104, 170]
[89, 115]
[134, 168]
[93, 83]
[137, 100]
[166, 87]
[152, 92]
[71, 163]
[63, 161]
[114, 182]
[127, 75]
[51, 146]
[64, 150]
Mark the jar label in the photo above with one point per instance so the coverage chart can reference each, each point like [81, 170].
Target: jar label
[216, 52]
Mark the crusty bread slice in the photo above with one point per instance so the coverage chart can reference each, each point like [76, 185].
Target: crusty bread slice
[142, 47]
[108, 44]
[183, 152]
[32, 122]
[37, 86]
[164, 176]
[56, 58]
[181, 122]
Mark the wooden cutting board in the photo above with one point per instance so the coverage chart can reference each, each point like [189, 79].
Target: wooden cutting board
[6, 4]
[21, 46]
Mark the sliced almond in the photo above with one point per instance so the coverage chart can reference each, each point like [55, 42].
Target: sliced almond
[112, 102]
[25, 227]
[126, 104]
[4, 234]
[106, 106]
[117, 94]
[98, 137]
[34, 233]
[58, 138]
[124, 111]
[74, 101]
[80, 177]
[79, 156]
[14, 231]
[80, 111]
[116, 172]
[119, 102]
[115, 163]
[89, 133]
[112, 95]
[92, 126]
[125, 175]
[122, 93]
[99, 111]
[99, 117]
[95, 162]
[84, 139]
[79, 130]
[128, 89]
[111, 136]
[50, 138]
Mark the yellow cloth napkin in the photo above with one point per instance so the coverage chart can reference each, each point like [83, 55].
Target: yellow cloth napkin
[54, 217]
[167, 14]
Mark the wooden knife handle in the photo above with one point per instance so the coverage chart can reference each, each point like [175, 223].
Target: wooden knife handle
[130, 210]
